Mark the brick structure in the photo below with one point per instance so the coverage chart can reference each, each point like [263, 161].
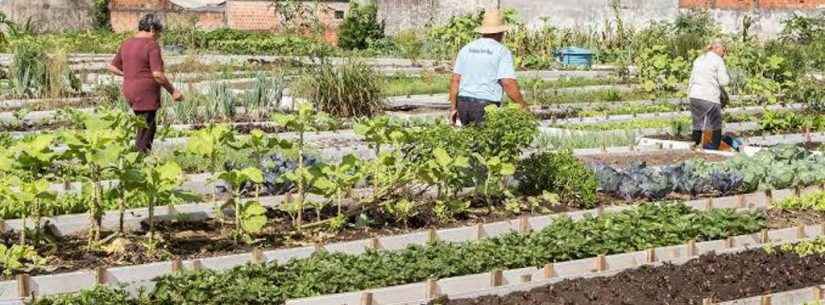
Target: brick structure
[249, 15]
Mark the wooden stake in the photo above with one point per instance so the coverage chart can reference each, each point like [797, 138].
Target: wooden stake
[319, 247]
[709, 204]
[100, 275]
[817, 292]
[177, 265]
[740, 201]
[432, 235]
[197, 265]
[257, 256]
[769, 197]
[432, 289]
[690, 248]
[479, 231]
[800, 232]
[496, 278]
[526, 278]
[23, 286]
[524, 224]
[2, 226]
[707, 301]
[730, 242]
[599, 211]
[822, 229]
[366, 298]
[766, 300]
[651, 256]
[600, 264]
[549, 271]
[797, 191]
[374, 244]
[763, 237]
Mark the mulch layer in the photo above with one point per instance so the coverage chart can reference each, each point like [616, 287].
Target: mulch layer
[719, 277]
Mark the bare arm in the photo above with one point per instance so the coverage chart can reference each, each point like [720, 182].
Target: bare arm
[455, 83]
[164, 82]
[115, 70]
[510, 86]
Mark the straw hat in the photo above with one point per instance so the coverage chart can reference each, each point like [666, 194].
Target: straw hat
[492, 23]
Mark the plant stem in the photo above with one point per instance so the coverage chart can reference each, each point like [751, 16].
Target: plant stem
[300, 177]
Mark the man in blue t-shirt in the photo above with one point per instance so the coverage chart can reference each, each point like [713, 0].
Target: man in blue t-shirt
[483, 69]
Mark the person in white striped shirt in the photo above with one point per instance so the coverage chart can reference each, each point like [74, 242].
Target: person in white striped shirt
[707, 93]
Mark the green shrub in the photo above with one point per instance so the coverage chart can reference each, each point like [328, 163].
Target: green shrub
[560, 173]
[360, 27]
[99, 295]
[411, 45]
[349, 90]
[506, 132]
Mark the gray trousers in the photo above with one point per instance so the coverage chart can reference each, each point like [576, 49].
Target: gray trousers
[471, 110]
[706, 115]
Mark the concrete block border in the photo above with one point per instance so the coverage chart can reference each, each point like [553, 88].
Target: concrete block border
[811, 295]
[140, 276]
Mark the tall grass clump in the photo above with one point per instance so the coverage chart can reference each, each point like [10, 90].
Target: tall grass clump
[352, 89]
[37, 71]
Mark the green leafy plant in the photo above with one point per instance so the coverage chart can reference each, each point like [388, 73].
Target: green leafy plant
[559, 173]
[208, 143]
[306, 119]
[16, 258]
[160, 185]
[360, 27]
[411, 44]
[337, 181]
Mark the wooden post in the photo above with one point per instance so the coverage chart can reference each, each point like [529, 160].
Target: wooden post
[549, 271]
[690, 248]
[197, 265]
[100, 275]
[431, 291]
[523, 224]
[822, 229]
[526, 278]
[709, 204]
[479, 231]
[766, 300]
[797, 191]
[740, 201]
[599, 211]
[257, 256]
[2, 226]
[707, 301]
[769, 197]
[432, 235]
[763, 237]
[496, 278]
[730, 242]
[817, 293]
[651, 256]
[600, 264]
[23, 286]
[177, 265]
[800, 232]
[366, 298]
[374, 244]
[318, 247]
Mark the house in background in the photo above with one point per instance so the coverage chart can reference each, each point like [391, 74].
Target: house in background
[248, 15]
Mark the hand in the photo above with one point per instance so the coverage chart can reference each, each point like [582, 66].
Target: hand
[177, 96]
[453, 115]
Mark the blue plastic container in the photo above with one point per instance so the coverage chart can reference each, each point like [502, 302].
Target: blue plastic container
[574, 56]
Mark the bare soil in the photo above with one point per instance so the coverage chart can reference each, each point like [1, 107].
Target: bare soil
[650, 158]
[719, 277]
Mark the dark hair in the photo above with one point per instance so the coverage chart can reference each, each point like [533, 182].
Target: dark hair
[150, 23]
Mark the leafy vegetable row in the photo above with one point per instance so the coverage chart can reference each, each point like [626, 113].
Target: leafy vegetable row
[775, 168]
[648, 226]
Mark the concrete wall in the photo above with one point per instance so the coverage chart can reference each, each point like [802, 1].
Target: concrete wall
[51, 15]
[592, 14]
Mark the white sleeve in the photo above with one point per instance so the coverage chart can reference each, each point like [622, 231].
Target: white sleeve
[722, 75]
[505, 66]
[459, 64]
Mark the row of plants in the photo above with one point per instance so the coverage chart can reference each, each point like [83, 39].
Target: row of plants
[645, 227]
[779, 167]
[791, 122]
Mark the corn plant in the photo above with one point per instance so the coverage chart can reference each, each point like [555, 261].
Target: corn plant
[306, 119]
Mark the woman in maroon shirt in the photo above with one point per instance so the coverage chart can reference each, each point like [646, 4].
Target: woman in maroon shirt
[140, 63]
